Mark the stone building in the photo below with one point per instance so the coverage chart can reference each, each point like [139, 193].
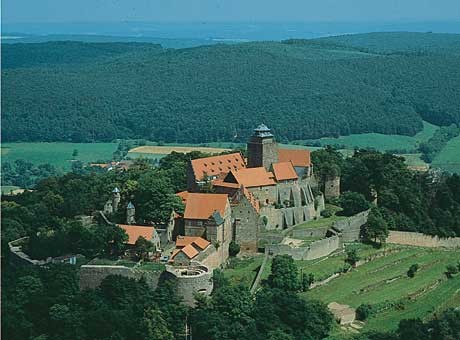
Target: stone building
[209, 216]
[111, 206]
[187, 249]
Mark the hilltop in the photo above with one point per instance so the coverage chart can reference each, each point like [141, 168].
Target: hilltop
[303, 88]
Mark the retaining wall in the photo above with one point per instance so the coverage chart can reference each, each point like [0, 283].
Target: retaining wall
[422, 240]
[350, 228]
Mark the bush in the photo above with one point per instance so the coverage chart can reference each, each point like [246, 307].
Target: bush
[327, 213]
[412, 270]
[451, 270]
[233, 248]
[363, 312]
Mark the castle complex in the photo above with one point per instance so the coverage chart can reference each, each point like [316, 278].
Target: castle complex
[271, 189]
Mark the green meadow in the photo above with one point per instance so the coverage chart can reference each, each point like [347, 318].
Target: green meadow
[58, 154]
[382, 142]
[449, 157]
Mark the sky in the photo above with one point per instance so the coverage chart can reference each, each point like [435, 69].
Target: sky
[69, 11]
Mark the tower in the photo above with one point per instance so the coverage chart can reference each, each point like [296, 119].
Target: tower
[130, 213]
[262, 148]
[116, 197]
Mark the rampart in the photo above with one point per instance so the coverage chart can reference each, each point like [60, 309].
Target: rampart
[422, 240]
[350, 227]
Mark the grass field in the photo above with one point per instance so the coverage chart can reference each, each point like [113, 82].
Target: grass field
[382, 142]
[449, 157]
[383, 283]
[244, 271]
[57, 154]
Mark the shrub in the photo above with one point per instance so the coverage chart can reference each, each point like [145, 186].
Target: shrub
[412, 270]
[363, 312]
[352, 257]
[233, 248]
[353, 203]
[327, 213]
[451, 270]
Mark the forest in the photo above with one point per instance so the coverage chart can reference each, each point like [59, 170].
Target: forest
[303, 89]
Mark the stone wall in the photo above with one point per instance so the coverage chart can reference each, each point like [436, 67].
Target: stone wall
[91, 276]
[350, 227]
[310, 232]
[315, 250]
[191, 280]
[422, 240]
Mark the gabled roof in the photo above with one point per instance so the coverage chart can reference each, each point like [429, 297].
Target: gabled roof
[251, 177]
[300, 158]
[254, 201]
[214, 166]
[200, 242]
[202, 206]
[189, 251]
[136, 231]
[284, 171]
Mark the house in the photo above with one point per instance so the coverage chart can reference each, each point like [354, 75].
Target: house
[136, 231]
[202, 170]
[284, 172]
[187, 249]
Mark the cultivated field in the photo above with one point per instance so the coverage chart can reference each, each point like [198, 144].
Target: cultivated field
[165, 150]
[384, 284]
[58, 154]
[382, 142]
[449, 157]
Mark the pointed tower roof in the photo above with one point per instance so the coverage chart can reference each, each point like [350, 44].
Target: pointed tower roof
[262, 131]
[116, 190]
[130, 205]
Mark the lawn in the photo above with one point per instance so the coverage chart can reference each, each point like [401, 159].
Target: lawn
[244, 270]
[449, 157]
[58, 154]
[384, 284]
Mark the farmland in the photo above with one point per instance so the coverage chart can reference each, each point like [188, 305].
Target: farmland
[58, 154]
[449, 157]
[382, 142]
[384, 285]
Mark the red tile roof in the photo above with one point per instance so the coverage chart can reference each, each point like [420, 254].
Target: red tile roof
[254, 201]
[183, 195]
[201, 206]
[284, 171]
[251, 177]
[200, 242]
[189, 251]
[214, 166]
[300, 158]
[136, 231]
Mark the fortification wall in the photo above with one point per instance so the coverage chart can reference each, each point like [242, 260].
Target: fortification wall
[422, 240]
[91, 276]
[191, 280]
[350, 228]
[310, 232]
[315, 250]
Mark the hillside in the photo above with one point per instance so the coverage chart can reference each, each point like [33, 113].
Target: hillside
[302, 88]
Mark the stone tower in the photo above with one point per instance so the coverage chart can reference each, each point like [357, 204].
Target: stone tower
[332, 187]
[262, 148]
[130, 213]
[116, 197]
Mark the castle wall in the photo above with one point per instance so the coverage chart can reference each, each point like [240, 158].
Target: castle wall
[264, 194]
[422, 240]
[315, 250]
[310, 232]
[350, 228]
[91, 276]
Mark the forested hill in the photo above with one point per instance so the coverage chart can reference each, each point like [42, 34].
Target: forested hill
[301, 88]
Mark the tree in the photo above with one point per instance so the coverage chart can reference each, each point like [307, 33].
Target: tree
[233, 248]
[353, 203]
[363, 312]
[352, 257]
[143, 247]
[412, 270]
[307, 281]
[451, 270]
[376, 228]
[74, 153]
[154, 327]
[284, 274]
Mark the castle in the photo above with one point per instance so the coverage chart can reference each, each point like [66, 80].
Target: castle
[269, 190]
